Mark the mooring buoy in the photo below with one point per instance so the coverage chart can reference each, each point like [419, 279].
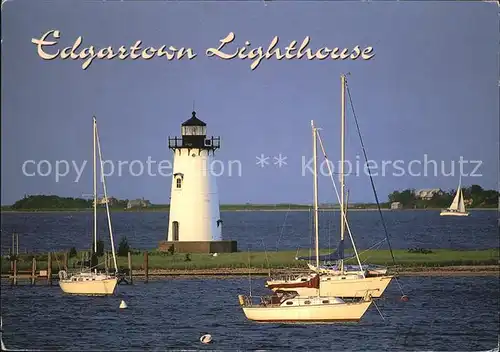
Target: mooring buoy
[207, 338]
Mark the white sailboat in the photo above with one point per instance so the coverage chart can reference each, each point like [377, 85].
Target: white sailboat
[335, 269]
[457, 207]
[90, 282]
[285, 306]
[290, 307]
[343, 281]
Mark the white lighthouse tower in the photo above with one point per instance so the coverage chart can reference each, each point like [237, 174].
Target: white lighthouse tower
[194, 201]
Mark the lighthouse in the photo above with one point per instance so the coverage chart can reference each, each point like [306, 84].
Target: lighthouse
[194, 224]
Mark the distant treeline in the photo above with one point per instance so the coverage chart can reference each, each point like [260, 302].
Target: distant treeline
[474, 197]
[56, 202]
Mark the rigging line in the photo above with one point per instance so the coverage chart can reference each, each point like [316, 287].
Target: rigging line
[110, 228]
[344, 219]
[370, 173]
[249, 274]
[372, 183]
[379, 312]
[282, 228]
[375, 245]
[267, 259]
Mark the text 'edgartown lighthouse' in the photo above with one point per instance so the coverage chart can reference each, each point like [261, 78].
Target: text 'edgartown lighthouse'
[194, 221]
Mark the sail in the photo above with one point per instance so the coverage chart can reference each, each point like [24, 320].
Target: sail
[461, 205]
[337, 255]
[455, 204]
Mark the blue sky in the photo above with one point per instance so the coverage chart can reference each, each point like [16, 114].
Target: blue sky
[431, 89]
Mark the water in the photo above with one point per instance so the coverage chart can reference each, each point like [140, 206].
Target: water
[257, 230]
[443, 314]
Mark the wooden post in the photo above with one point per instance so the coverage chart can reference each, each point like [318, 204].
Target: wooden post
[49, 269]
[146, 267]
[33, 271]
[17, 244]
[130, 266]
[65, 261]
[14, 273]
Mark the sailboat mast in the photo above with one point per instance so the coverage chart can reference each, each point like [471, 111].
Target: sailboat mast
[110, 228]
[342, 159]
[95, 185]
[316, 226]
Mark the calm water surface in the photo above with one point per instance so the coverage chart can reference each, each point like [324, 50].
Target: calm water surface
[258, 230]
[443, 314]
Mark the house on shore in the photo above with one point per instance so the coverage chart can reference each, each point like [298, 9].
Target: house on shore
[396, 205]
[428, 194]
[110, 200]
[138, 203]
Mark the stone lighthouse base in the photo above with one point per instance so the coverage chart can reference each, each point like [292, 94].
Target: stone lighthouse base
[199, 246]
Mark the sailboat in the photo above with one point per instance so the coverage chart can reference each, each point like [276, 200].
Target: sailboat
[457, 207]
[285, 306]
[335, 269]
[340, 282]
[91, 282]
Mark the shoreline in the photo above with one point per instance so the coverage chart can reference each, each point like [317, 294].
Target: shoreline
[256, 209]
[444, 271]
[473, 270]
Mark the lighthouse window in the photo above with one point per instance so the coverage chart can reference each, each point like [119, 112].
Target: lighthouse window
[178, 182]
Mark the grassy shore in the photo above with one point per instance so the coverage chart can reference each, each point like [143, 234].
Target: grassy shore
[263, 261]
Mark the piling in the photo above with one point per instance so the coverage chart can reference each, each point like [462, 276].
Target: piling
[33, 271]
[130, 266]
[14, 273]
[146, 267]
[49, 269]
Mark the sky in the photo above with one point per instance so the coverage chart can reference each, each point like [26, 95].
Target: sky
[430, 93]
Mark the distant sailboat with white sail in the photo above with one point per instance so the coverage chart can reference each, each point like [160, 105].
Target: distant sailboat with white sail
[457, 207]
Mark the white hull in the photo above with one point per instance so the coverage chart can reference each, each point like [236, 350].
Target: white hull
[89, 287]
[308, 313]
[367, 269]
[453, 213]
[341, 286]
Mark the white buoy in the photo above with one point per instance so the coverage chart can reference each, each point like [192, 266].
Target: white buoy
[123, 305]
[206, 338]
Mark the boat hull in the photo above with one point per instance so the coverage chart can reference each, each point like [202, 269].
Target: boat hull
[371, 271]
[89, 288]
[453, 213]
[331, 313]
[336, 286]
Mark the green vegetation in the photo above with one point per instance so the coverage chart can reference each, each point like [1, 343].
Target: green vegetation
[51, 202]
[123, 248]
[474, 197]
[264, 260]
